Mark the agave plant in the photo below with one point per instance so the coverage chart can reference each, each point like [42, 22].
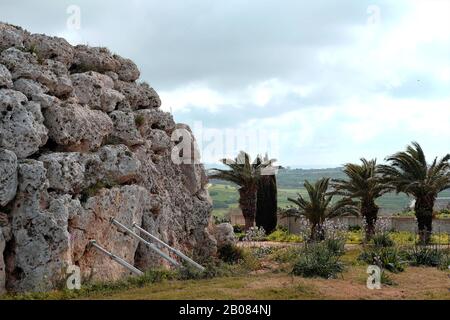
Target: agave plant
[318, 207]
[365, 184]
[246, 175]
[410, 173]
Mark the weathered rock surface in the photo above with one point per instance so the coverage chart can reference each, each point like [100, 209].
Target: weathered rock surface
[77, 127]
[41, 242]
[8, 176]
[126, 204]
[140, 96]
[36, 92]
[82, 142]
[96, 90]
[224, 234]
[50, 48]
[21, 124]
[5, 77]
[11, 36]
[125, 129]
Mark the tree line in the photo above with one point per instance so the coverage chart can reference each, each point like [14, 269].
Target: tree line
[405, 172]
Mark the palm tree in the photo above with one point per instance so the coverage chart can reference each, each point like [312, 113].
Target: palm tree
[410, 173]
[364, 183]
[246, 175]
[318, 207]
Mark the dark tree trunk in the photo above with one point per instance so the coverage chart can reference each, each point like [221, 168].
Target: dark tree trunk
[247, 202]
[317, 232]
[369, 211]
[424, 214]
[266, 207]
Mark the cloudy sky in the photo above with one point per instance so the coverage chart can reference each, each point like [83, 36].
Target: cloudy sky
[315, 83]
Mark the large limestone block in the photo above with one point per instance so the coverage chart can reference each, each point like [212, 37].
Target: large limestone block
[65, 171]
[118, 164]
[11, 36]
[96, 91]
[155, 119]
[47, 47]
[36, 92]
[94, 59]
[40, 253]
[126, 204]
[125, 128]
[77, 127]
[21, 124]
[224, 234]
[139, 96]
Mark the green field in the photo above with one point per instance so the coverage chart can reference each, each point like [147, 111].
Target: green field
[290, 182]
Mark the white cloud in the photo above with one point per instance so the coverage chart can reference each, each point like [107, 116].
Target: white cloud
[334, 87]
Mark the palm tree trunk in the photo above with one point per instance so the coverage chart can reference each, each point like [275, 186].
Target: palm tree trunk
[424, 214]
[369, 210]
[317, 232]
[247, 202]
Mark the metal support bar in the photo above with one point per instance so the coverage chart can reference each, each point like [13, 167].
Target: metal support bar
[148, 244]
[175, 251]
[116, 258]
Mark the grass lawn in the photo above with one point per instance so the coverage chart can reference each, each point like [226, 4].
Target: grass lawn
[268, 277]
[415, 283]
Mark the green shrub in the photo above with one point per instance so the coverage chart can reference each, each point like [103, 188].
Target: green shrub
[151, 276]
[255, 234]
[354, 228]
[425, 256]
[386, 279]
[382, 240]
[285, 255]
[139, 120]
[283, 236]
[318, 261]
[440, 238]
[403, 237]
[354, 237]
[220, 219]
[406, 213]
[93, 190]
[240, 236]
[239, 228]
[230, 253]
[336, 246]
[262, 252]
[389, 258]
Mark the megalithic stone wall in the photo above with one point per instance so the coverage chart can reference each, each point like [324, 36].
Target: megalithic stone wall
[81, 141]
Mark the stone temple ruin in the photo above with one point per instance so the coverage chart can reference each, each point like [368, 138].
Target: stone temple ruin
[81, 141]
